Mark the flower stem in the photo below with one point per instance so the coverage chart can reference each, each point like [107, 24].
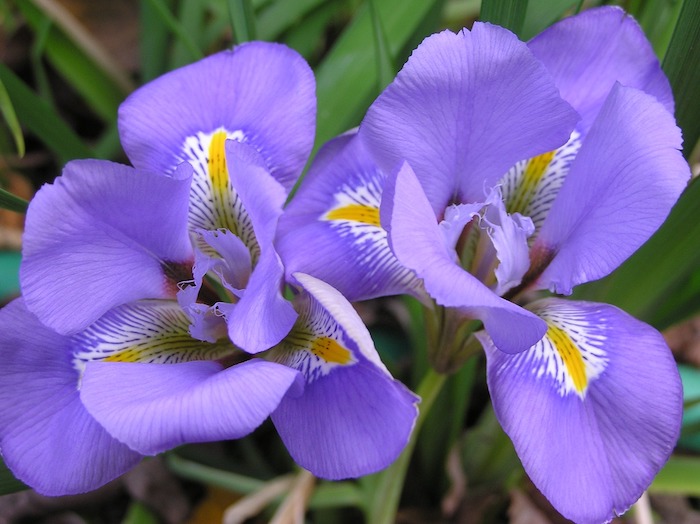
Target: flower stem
[389, 483]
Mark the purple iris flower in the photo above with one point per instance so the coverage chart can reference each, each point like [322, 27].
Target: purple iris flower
[153, 286]
[500, 169]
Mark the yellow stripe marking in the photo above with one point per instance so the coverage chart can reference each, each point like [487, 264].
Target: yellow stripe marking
[179, 347]
[330, 351]
[532, 176]
[355, 213]
[571, 355]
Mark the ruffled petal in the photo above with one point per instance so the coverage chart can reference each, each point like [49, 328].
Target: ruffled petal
[588, 53]
[156, 407]
[508, 234]
[463, 110]
[353, 417]
[331, 228]
[626, 177]
[104, 234]
[48, 439]
[594, 409]
[259, 93]
[418, 243]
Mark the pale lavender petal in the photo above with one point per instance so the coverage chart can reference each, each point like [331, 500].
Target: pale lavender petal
[331, 228]
[156, 407]
[48, 439]
[594, 410]
[621, 186]
[463, 110]
[457, 216]
[418, 243]
[353, 417]
[588, 53]
[262, 317]
[103, 234]
[259, 93]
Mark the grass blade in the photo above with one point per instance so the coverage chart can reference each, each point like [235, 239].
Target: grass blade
[8, 113]
[242, 20]
[506, 13]
[12, 202]
[42, 120]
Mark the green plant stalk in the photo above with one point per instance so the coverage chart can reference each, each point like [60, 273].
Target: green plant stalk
[389, 485]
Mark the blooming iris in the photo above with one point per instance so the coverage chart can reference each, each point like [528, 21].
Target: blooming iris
[149, 289]
[490, 170]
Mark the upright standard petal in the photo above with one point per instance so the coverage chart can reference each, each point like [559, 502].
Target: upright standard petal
[262, 317]
[331, 228]
[418, 242]
[609, 406]
[102, 235]
[353, 418]
[259, 93]
[463, 110]
[154, 387]
[48, 439]
[626, 177]
[588, 53]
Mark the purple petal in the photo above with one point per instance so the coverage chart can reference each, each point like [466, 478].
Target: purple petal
[418, 243]
[594, 410]
[353, 417]
[103, 234]
[331, 228]
[463, 110]
[262, 317]
[588, 53]
[259, 93]
[156, 407]
[621, 186]
[48, 439]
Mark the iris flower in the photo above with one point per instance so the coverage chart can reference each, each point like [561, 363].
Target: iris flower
[149, 289]
[492, 170]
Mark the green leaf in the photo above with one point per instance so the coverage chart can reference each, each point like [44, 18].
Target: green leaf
[102, 93]
[242, 20]
[8, 113]
[681, 66]
[161, 10]
[346, 80]
[506, 13]
[281, 16]
[680, 476]
[385, 67]
[12, 202]
[543, 13]
[153, 40]
[42, 120]
[138, 513]
[307, 36]
[8, 482]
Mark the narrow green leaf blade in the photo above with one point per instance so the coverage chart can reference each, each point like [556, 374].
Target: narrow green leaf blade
[153, 41]
[385, 67]
[100, 91]
[346, 80]
[242, 20]
[280, 16]
[8, 113]
[680, 476]
[506, 13]
[12, 202]
[681, 66]
[542, 14]
[8, 482]
[42, 120]
[172, 23]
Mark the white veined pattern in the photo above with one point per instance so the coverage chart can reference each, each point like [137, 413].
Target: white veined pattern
[214, 203]
[572, 352]
[151, 331]
[531, 186]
